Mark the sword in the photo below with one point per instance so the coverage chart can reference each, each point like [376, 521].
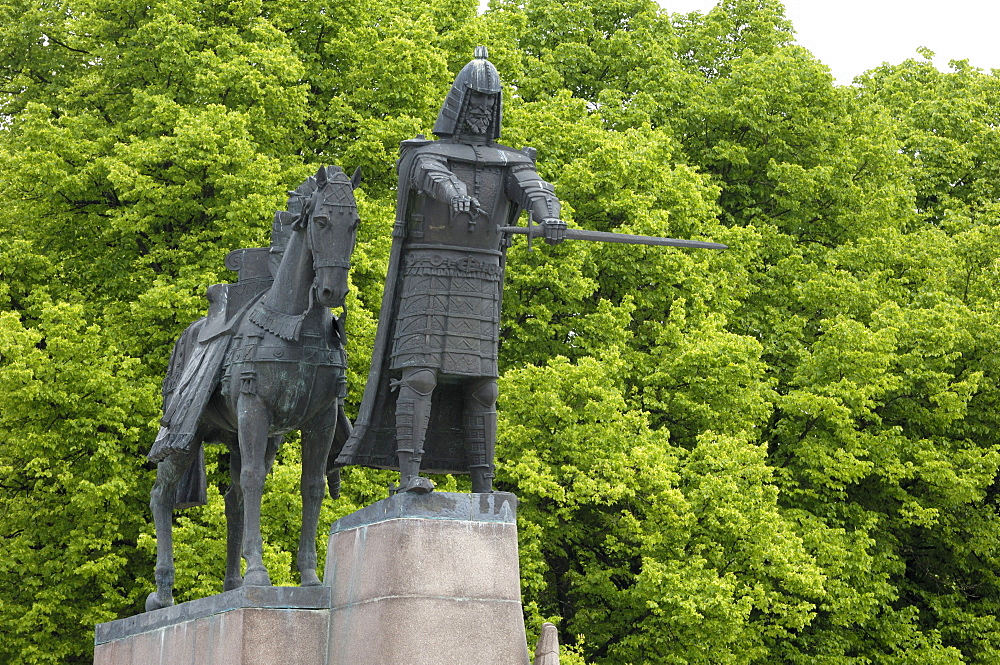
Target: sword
[537, 231]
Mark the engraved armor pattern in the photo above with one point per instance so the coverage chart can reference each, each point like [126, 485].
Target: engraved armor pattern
[449, 313]
[440, 318]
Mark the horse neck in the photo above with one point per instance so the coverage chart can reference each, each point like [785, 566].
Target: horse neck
[290, 292]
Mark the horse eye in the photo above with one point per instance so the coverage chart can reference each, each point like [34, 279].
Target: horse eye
[321, 222]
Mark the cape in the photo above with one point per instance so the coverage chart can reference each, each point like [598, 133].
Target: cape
[191, 378]
[373, 441]
[193, 372]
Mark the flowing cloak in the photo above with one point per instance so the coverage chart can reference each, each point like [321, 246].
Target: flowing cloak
[373, 441]
[195, 362]
[195, 365]
[191, 378]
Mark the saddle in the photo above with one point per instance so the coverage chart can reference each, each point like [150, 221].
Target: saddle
[195, 365]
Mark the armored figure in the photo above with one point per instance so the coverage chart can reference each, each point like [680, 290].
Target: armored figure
[436, 345]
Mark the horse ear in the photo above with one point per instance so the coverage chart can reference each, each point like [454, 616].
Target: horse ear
[356, 178]
[321, 177]
[302, 219]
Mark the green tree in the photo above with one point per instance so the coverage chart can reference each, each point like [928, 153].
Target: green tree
[140, 144]
[785, 452]
[74, 420]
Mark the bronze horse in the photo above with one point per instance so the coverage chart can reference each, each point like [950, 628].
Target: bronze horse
[248, 374]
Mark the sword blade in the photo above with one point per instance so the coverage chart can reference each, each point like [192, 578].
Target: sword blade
[623, 238]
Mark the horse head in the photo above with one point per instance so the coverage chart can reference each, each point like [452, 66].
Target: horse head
[331, 220]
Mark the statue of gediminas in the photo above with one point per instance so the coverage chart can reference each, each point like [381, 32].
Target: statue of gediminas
[436, 345]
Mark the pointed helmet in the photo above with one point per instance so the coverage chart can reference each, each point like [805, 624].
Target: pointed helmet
[480, 76]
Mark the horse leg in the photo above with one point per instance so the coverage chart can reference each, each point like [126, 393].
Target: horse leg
[234, 510]
[316, 444]
[234, 519]
[254, 423]
[161, 502]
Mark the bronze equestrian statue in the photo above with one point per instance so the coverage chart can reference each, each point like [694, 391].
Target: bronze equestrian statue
[269, 358]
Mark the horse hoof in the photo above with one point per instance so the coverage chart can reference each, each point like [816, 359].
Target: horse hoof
[232, 583]
[309, 578]
[256, 577]
[153, 602]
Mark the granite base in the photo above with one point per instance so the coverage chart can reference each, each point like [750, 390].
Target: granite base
[428, 579]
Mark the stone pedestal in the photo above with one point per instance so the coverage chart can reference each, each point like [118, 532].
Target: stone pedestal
[428, 579]
[248, 626]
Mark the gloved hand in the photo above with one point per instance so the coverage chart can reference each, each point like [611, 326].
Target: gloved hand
[555, 230]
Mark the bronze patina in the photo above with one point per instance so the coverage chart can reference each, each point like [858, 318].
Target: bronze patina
[269, 358]
[436, 344]
[430, 401]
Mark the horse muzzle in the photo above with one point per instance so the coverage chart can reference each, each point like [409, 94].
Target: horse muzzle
[331, 286]
[331, 298]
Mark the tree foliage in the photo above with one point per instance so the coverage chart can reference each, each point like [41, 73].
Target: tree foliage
[786, 452]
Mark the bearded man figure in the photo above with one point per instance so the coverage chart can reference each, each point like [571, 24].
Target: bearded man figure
[438, 331]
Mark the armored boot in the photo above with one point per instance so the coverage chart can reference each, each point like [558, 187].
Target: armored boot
[413, 412]
[480, 430]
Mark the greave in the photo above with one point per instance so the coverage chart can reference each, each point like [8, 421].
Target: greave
[480, 428]
[413, 412]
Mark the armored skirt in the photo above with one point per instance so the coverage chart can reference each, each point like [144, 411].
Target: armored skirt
[449, 312]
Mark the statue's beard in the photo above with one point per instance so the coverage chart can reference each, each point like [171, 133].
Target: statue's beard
[478, 121]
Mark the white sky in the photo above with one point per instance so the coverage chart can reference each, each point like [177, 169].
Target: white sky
[851, 36]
